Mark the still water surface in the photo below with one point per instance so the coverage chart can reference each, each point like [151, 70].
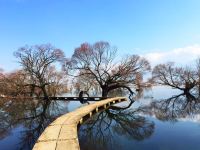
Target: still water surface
[160, 119]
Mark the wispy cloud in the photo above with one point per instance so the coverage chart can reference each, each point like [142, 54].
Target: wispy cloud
[181, 56]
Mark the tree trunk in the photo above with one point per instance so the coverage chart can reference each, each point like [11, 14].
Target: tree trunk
[44, 92]
[199, 86]
[186, 91]
[105, 92]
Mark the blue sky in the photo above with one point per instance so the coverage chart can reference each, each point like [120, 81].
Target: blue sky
[145, 27]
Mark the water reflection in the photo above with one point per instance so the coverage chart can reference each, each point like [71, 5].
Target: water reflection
[123, 127]
[32, 115]
[173, 108]
[139, 127]
[99, 132]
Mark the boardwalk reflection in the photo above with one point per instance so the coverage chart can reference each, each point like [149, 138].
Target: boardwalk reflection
[100, 131]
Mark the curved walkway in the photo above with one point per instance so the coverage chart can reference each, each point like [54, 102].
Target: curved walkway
[62, 133]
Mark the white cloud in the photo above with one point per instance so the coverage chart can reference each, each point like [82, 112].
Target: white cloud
[181, 56]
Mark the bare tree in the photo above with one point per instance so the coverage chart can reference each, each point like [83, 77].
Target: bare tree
[97, 63]
[36, 60]
[198, 74]
[12, 84]
[87, 84]
[58, 80]
[177, 77]
[1, 81]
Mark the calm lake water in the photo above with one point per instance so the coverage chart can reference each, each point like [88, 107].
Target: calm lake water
[160, 119]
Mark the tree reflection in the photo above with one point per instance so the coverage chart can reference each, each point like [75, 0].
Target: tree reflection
[175, 107]
[33, 115]
[102, 130]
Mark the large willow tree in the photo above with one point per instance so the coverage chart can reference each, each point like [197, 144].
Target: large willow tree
[36, 62]
[98, 64]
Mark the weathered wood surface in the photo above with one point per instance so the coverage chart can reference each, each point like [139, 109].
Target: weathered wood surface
[61, 134]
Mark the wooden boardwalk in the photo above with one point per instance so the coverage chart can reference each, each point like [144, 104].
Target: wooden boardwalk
[77, 98]
[62, 133]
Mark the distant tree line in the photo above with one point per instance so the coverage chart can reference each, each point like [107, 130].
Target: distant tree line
[92, 66]
[38, 76]
[186, 79]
